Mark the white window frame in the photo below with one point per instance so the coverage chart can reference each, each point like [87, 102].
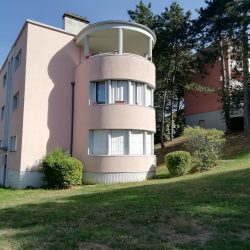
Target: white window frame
[116, 93]
[127, 150]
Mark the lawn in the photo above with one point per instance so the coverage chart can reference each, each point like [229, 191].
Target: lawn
[199, 211]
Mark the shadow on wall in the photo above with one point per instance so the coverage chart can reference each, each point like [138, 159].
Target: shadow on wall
[61, 72]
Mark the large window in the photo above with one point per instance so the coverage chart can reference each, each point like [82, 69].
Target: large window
[121, 91]
[118, 145]
[136, 142]
[120, 142]
[118, 92]
[99, 142]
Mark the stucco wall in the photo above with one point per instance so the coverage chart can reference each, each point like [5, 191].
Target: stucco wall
[51, 58]
[117, 116]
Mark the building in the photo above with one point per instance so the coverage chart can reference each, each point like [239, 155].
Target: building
[205, 109]
[87, 88]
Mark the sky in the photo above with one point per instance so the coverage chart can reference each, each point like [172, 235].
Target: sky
[15, 12]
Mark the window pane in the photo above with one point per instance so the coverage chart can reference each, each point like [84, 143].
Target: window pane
[136, 143]
[118, 142]
[148, 97]
[139, 93]
[122, 91]
[148, 143]
[100, 142]
[100, 93]
[113, 91]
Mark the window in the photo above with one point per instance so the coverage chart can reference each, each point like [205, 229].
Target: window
[13, 144]
[139, 93]
[15, 102]
[2, 113]
[149, 97]
[118, 142]
[119, 92]
[202, 123]
[18, 60]
[5, 80]
[100, 93]
[136, 142]
[149, 143]
[99, 143]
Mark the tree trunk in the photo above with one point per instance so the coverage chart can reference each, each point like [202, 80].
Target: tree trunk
[225, 96]
[171, 127]
[163, 118]
[246, 83]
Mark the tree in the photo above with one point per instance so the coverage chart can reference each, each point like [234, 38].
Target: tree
[142, 14]
[174, 63]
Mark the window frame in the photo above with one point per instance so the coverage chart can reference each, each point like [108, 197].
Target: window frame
[18, 59]
[126, 143]
[15, 101]
[4, 80]
[13, 143]
[2, 112]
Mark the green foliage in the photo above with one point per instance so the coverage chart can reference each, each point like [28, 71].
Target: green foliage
[205, 145]
[178, 162]
[61, 170]
[142, 14]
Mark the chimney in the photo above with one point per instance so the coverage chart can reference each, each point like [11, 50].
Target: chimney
[73, 23]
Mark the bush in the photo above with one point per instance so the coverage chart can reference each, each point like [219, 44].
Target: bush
[205, 145]
[178, 162]
[61, 170]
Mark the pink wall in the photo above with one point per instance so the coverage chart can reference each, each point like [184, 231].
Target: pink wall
[16, 123]
[195, 102]
[111, 116]
[51, 59]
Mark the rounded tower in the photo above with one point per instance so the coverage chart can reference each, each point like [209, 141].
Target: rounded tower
[114, 120]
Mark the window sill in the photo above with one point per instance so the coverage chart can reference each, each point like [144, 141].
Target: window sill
[123, 103]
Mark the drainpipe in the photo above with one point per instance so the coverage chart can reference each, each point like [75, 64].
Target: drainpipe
[72, 117]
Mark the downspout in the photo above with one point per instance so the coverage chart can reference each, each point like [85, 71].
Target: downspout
[72, 118]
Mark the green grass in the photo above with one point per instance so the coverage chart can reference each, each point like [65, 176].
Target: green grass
[200, 211]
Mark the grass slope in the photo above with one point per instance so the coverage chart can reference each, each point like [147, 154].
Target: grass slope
[199, 211]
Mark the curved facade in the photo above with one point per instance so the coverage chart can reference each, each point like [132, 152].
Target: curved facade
[114, 119]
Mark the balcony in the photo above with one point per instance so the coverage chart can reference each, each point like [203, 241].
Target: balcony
[116, 38]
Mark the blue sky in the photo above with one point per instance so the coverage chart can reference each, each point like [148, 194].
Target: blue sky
[15, 12]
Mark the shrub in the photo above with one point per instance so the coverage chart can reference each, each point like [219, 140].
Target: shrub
[61, 170]
[178, 162]
[205, 145]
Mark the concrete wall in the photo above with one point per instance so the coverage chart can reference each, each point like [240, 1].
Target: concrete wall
[212, 119]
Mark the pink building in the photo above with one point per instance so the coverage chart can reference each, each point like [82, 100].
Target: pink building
[205, 110]
[87, 88]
